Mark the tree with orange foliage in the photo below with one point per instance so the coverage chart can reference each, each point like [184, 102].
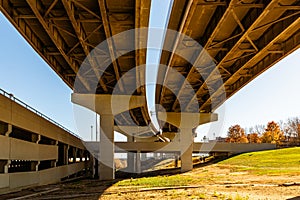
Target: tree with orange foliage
[272, 134]
[236, 134]
[253, 138]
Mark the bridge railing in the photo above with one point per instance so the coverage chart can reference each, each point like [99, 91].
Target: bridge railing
[13, 98]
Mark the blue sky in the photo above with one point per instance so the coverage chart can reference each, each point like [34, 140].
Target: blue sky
[158, 20]
[274, 95]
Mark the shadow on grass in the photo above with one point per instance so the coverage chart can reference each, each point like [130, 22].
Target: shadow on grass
[165, 172]
[294, 198]
[90, 188]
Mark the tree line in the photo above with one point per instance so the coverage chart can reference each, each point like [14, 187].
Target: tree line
[280, 133]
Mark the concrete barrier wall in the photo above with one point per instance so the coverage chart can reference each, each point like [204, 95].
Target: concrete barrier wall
[123, 147]
[5, 109]
[9, 182]
[231, 147]
[4, 147]
[15, 149]
[4, 181]
[17, 115]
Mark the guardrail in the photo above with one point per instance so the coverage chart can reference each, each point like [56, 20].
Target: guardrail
[13, 98]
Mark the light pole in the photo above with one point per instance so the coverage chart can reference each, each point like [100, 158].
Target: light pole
[91, 133]
[96, 127]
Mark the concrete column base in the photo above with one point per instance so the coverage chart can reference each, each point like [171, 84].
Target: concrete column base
[176, 160]
[130, 157]
[138, 163]
[106, 155]
[6, 166]
[187, 160]
[186, 147]
[130, 162]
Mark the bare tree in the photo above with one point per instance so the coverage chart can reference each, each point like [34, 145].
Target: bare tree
[259, 129]
[292, 129]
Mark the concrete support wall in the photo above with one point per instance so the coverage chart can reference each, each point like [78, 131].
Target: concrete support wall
[12, 181]
[22, 144]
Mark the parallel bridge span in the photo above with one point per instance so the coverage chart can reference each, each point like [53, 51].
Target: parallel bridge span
[244, 38]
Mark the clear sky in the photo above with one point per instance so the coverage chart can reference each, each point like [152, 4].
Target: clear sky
[158, 20]
[274, 95]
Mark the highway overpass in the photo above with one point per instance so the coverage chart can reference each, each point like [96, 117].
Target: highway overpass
[242, 38]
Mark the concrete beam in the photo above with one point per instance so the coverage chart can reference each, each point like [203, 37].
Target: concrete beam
[187, 120]
[112, 51]
[132, 130]
[70, 9]
[108, 104]
[56, 38]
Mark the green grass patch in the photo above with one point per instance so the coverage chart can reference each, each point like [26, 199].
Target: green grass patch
[159, 181]
[271, 162]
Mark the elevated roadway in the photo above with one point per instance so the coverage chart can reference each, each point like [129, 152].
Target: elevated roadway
[241, 39]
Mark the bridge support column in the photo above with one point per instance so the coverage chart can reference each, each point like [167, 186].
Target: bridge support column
[176, 159]
[130, 157]
[9, 130]
[56, 161]
[186, 149]
[7, 166]
[107, 106]
[186, 122]
[106, 164]
[66, 154]
[74, 154]
[138, 162]
[143, 157]
[39, 137]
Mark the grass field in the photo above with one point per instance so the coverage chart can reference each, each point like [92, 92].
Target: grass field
[272, 162]
[268, 175]
[256, 175]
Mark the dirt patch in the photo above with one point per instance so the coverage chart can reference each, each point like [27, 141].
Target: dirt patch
[215, 182]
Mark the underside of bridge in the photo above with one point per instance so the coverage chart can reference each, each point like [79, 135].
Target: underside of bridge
[243, 39]
[240, 39]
